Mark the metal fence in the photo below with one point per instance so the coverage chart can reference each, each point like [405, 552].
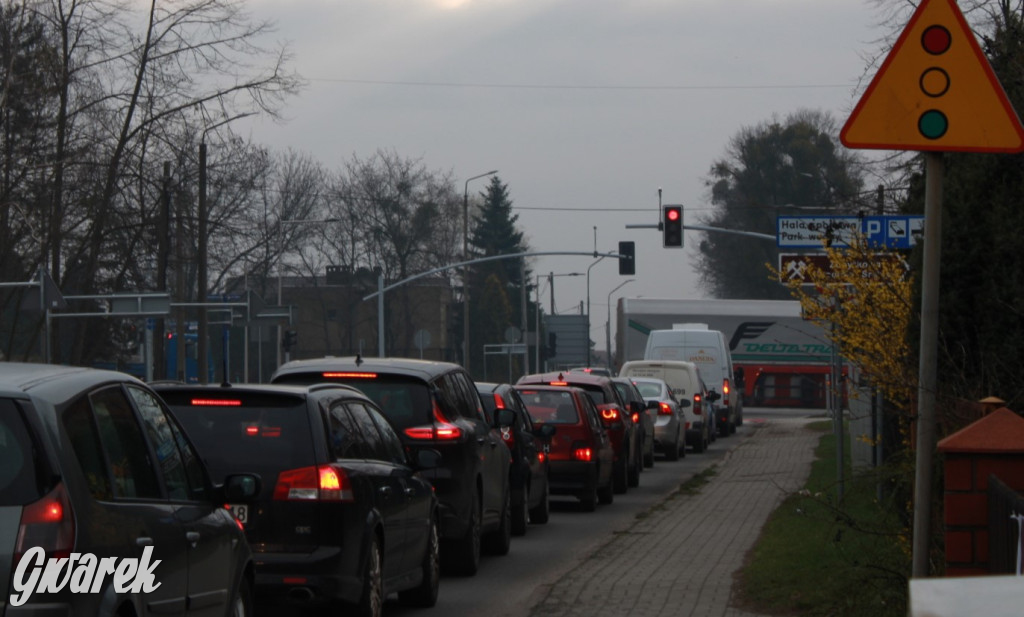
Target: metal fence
[1005, 521]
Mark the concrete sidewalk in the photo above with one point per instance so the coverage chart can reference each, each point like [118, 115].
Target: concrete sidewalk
[680, 558]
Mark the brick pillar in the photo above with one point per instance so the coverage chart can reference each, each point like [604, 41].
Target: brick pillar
[993, 445]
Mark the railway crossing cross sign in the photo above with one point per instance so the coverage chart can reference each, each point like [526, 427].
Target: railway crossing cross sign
[935, 92]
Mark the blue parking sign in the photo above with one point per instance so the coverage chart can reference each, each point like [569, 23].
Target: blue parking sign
[894, 232]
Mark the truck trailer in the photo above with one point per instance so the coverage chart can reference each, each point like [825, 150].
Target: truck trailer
[781, 359]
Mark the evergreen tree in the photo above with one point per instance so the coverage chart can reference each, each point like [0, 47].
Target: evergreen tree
[495, 233]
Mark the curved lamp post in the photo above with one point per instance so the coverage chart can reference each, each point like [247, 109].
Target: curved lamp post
[465, 270]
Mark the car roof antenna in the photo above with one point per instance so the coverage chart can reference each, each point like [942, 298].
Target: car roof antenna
[359, 359]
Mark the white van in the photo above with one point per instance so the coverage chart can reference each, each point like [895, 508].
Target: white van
[688, 388]
[693, 342]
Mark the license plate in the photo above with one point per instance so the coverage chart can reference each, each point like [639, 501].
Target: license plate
[240, 511]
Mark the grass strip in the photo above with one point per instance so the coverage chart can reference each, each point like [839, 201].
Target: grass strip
[821, 557]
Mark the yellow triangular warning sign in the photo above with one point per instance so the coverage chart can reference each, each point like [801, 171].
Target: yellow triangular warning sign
[935, 91]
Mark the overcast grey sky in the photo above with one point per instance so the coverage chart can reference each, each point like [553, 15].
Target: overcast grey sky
[586, 107]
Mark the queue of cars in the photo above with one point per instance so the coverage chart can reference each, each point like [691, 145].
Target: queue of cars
[342, 481]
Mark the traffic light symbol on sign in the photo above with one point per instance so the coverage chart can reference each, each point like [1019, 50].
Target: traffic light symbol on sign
[935, 92]
[627, 263]
[672, 226]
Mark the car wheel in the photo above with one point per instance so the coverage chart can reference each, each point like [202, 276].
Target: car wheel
[500, 540]
[372, 601]
[540, 514]
[672, 450]
[462, 556]
[241, 604]
[649, 456]
[606, 494]
[634, 471]
[588, 500]
[620, 478]
[521, 513]
[425, 594]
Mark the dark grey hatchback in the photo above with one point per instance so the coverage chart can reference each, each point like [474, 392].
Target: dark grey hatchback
[105, 503]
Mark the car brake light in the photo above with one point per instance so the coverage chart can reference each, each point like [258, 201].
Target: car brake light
[541, 457]
[49, 524]
[636, 418]
[349, 375]
[664, 409]
[323, 483]
[499, 403]
[440, 430]
[725, 387]
[559, 383]
[610, 414]
[697, 406]
[215, 402]
[583, 454]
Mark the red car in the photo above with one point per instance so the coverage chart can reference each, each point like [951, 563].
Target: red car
[614, 416]
[580, 456]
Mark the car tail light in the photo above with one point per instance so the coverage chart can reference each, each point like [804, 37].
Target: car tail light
[664, 409]
[541, 457]
[440, 430]
[559, 383]
[215, 402]
[697, 404]
[322, 483]
[725, 388]
[610, 414]
[499, 403]
[583, 453]
[49, 524]
[636, 418]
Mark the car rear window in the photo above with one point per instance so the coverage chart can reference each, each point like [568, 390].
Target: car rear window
[404, 401]
[238, 432]
[648, 389]
[21, 470]
[550, 406]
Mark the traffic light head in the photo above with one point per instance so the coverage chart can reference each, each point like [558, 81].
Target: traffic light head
[627, 263]
[290, 339]
[672, 226]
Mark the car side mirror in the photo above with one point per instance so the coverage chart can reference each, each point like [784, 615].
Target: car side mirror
[683, 404]
[427, 458]
[240, 487]
[504, 417]
[652, 405]
[714, 396]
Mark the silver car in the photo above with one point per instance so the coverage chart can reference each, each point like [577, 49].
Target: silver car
[670, 423]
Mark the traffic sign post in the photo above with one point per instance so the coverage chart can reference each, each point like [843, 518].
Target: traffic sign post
[935, 92]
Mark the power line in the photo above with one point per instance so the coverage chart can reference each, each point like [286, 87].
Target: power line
[513, 86]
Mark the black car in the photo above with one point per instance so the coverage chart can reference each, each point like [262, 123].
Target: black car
[343, 515]
[529, 446]
[435, 405]
[93, 467]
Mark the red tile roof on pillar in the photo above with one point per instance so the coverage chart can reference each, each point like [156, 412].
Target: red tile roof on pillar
[1000, 431]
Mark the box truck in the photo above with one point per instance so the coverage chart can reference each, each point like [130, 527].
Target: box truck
[779, 358]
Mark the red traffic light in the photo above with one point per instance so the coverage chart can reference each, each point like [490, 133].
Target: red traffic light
[672, 214]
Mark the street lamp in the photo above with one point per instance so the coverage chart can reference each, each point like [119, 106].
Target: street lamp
[608, 323]
[588, 303]
[465, 269]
